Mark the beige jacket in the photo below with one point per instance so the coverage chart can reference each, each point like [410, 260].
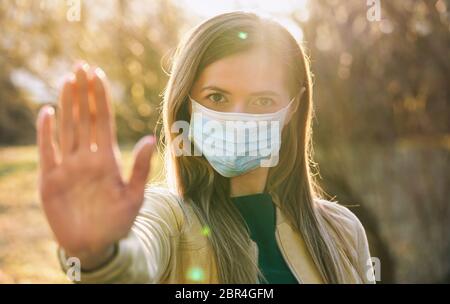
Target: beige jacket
[163, 248]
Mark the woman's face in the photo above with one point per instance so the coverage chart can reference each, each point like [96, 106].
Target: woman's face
[247, 82]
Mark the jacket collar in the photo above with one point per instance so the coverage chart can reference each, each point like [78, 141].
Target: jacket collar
[295, 252]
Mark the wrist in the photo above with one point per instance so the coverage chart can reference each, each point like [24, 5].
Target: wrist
[90, 261]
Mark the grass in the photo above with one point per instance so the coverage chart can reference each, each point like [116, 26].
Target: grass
[27, 247]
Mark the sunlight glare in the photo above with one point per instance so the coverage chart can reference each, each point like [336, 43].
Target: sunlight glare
[278, 10]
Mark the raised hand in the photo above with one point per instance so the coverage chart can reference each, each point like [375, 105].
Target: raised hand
[88, 204]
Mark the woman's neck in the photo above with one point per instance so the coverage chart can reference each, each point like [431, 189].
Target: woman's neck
[249, 183]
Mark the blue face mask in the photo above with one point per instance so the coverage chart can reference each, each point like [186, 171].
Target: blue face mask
[236, 143]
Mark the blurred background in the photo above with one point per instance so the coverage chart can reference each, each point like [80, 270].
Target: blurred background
[381, 126]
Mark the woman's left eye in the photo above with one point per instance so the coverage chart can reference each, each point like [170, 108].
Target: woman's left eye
[264, 101]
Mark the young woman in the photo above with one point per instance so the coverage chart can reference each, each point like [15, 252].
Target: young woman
[221, 219]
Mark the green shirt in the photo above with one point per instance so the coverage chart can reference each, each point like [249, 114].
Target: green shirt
[259, 213]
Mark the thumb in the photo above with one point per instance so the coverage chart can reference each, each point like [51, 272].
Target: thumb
[141, 167]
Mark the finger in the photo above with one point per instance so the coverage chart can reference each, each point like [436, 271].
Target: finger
[104, 120]
[144, 151]
[66, 121]
[46, 145]
[82, 95]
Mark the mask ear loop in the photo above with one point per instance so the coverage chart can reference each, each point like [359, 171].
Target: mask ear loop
[299, 95]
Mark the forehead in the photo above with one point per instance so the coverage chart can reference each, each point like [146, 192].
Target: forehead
[246, 72]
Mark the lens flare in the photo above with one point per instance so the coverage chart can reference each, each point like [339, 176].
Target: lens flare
[243, 35]
[206, 231]
[195, 274]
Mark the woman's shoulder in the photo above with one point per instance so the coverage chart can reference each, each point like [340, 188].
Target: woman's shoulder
[341, 217]
[347, 223]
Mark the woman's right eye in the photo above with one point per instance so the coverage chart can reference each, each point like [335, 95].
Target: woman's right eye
[216, 98]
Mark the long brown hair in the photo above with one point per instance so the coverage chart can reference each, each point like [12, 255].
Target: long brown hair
[290, 183]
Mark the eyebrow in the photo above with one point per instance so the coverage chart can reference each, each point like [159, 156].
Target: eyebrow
[215, 89]
[266, 92]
